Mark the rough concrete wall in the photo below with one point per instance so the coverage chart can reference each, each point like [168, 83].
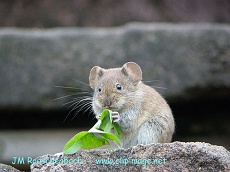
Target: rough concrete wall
[179, 57]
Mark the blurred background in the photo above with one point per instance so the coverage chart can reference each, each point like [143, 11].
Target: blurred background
[48, 47]
[98, 13]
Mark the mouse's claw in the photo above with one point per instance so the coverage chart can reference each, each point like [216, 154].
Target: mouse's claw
[98, 116]
[115, 116]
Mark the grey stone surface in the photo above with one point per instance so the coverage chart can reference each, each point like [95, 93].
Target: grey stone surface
[179, 57]
[8, 168]
[177, 156]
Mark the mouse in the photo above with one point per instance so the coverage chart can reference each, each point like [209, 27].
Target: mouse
[142, 113]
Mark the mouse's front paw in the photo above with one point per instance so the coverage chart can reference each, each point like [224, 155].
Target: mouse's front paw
[98, 116]
[115, 116]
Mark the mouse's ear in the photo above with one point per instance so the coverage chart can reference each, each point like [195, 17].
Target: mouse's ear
[133, 71]
[94, 75]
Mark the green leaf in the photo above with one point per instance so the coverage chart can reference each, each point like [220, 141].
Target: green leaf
[111, 136]
[106, 135]
[117, 130]
[106, 121]
[84, 140]
[105, 113]
[88, 140]
[96, 131]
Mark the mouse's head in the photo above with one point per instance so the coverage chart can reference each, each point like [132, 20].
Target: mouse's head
[114, 88]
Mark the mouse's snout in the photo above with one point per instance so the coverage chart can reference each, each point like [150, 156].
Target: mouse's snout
[107, 102]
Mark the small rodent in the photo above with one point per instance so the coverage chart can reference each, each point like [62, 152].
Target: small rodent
[142, 113]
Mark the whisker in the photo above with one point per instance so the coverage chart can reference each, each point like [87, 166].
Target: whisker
[86, 106]
[88, 109]
[74, 88]
[58, 86]
[79, 98]
[94, 117]
[82, 83]
[80, 102]
[158, 87]
[77, 102]
[73, 103]
[155, 80]
[154, 86]
[70, 95]
[71, 110]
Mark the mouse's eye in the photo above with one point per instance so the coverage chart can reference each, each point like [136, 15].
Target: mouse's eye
[118, 86]
[99, 89]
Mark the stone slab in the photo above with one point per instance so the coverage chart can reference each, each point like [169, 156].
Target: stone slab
[186, 59]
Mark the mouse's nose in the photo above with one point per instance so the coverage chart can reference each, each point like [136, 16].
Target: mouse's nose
[108, 102]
